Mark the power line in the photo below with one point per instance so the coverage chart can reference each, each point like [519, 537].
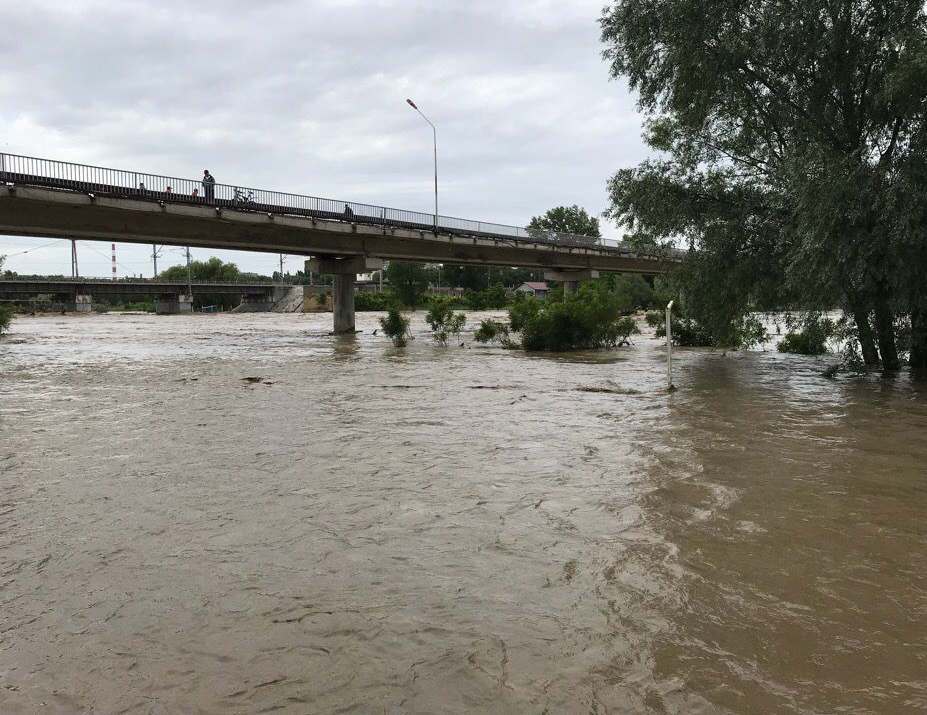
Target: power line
[124, 267]
[46, 245]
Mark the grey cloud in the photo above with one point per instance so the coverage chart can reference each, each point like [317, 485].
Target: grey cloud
[310, 97]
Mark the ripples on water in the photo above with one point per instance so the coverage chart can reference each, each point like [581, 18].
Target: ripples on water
[448, 530]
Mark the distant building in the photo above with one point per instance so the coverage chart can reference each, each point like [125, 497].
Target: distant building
[538, 290]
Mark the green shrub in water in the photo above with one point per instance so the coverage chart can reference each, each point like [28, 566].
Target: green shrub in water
[689, 333]
[443, 321]
[6, 317]
[492, 332]
[396, 327]
[811, 339]
[589, 318]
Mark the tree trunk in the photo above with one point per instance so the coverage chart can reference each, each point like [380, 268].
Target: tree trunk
[866, 339]
[885, 330]
[919, 340]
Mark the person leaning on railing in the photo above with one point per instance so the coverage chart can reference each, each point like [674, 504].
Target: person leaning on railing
[209, 186]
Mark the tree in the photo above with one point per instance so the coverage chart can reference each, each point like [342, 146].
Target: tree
[793, 136]
[213, 270]
[408, 281]
[566, 219]
[465, 276]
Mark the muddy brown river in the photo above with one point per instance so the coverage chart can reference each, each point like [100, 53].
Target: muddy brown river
[243, 514]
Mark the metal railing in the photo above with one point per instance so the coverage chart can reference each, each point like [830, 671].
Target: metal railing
[49, 173]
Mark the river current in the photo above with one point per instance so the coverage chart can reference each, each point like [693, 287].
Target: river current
[244, 514]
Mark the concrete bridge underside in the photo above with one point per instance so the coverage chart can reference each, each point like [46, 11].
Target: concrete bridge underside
[43, 212]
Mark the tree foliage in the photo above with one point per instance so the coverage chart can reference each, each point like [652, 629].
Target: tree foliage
[408, 281]
[213, 270]
[566, 219]
[365, 300]
[491, 331]
[792, 141]
[592, 317]
[6, 317]
[396, 327]
[442, 319]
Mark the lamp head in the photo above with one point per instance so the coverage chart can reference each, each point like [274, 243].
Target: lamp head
[411, 104]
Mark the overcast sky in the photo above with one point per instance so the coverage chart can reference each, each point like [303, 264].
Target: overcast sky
[309, 96]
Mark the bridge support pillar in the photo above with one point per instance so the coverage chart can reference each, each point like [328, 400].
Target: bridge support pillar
[172, 304]
[256, 303]
[343, 302]
[343, 271]
[570, 279]
[83, 304]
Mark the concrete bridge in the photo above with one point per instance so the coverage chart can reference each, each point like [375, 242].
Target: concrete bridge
[40, 197]
[169, 296]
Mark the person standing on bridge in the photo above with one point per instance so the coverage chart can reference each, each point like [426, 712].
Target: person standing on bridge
[348, 213]
[209, 186]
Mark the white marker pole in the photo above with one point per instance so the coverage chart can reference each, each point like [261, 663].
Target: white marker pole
[669, 346]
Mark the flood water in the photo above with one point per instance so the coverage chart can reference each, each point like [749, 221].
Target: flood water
[244, 514]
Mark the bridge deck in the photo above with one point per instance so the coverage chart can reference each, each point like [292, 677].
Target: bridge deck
[50, 198]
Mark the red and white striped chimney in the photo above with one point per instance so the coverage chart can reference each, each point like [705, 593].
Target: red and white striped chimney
[114, 261]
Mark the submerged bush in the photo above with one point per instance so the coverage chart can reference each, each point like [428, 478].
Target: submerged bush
[492, 332]
[811, 339]
[6, 317]
[689, 333]
[396, 327]
[589, 318]
[443, 320]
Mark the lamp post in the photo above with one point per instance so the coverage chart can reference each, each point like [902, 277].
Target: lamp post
[435, 137]
[669, 346]
[189, 280]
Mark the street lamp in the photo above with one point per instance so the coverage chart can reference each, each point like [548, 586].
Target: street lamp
[435, 136]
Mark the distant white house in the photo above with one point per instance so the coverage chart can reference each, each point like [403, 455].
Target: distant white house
[538, 290]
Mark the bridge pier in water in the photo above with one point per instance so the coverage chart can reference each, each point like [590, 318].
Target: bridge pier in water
[79, 303]
[344, 273]
[263, 300]
[172, 304]
[570, 279]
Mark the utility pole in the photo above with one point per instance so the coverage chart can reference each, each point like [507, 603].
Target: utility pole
[281, 269]
[154, 257]
[74, 272]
